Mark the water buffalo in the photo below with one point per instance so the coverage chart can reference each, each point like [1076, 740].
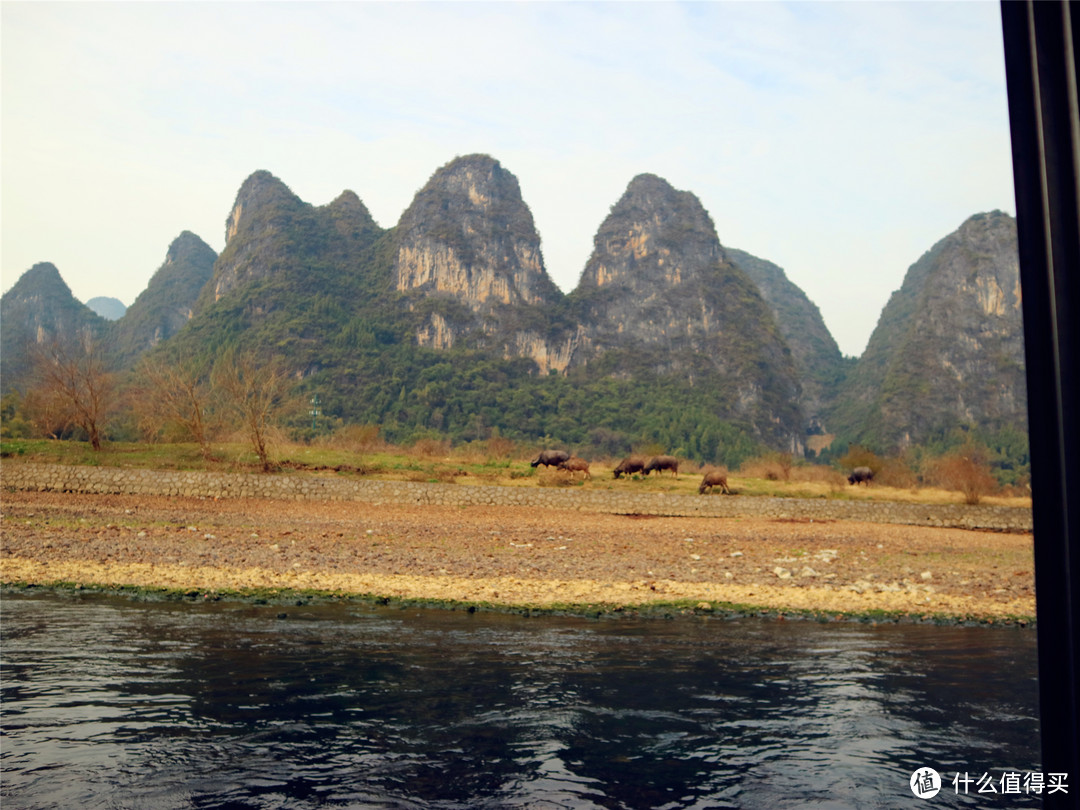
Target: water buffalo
[660, 463]
[861, 475]
[550, 458]
[630, 465]
[714, 478]
[575, 465]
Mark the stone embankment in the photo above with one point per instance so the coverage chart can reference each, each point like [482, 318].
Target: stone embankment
[127, 481]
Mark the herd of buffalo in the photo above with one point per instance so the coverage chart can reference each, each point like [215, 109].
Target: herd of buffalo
[562, 460]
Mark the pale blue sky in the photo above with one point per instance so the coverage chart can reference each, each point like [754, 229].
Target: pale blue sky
[839, 140]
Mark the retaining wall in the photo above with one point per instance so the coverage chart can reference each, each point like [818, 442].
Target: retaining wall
[118, 480]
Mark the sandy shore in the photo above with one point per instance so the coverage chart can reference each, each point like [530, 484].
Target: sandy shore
[513, 556]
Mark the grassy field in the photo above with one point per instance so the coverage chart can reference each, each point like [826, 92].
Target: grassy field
[496, 462]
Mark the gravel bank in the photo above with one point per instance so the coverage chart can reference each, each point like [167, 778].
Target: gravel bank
[513, 556]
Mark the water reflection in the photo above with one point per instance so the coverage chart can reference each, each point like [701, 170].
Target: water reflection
[114, 704]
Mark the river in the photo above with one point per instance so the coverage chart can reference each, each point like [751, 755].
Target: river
[113, 703]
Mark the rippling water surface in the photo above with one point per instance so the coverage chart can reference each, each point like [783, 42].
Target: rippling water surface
[110, 703]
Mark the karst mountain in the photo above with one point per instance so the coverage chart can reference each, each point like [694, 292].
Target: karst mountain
[448, 322]
[948, 349]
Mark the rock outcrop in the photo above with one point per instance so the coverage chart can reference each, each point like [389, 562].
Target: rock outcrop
[468, 258]
[469, 235]
[265, 210]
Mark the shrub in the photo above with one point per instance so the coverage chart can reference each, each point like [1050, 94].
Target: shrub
[783, 461]
[500, 447]
[431, 448]
[650, 449]
[357, 438]
[604, 442]
[967, 472]
[819, 474]
[895, 472]
[890, 472]
[771, 467]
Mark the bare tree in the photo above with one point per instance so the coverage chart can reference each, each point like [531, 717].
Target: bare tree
[256, 393]
[176, 392]
[49, 414]
[73, 377]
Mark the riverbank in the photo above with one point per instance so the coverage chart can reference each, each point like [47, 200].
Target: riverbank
[514, 556]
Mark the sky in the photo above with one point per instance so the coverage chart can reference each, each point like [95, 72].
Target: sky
[839, 140]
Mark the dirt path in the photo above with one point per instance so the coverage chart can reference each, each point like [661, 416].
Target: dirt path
[513, 556]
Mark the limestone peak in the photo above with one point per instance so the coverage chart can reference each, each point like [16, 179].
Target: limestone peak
[655, 236]
[469, 235]
[261, 189]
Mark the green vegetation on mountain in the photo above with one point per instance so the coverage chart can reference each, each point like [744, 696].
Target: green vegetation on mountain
[317, 286]
[447, 325]
[166, 305]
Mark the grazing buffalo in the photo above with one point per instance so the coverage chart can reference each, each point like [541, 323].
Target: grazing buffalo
[660, 463]
[714, 478]
[630, 465]
[550, 458]
[861, 475]
[575, 465]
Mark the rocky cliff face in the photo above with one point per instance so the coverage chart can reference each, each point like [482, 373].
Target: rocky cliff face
[820, 365]
[168, 302]
[656, 248]
[948, 349]
[660, 287]
[469, 235]
[468, 242]
[39, 309]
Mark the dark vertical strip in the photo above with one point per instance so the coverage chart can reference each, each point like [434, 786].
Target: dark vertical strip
[1040, 64]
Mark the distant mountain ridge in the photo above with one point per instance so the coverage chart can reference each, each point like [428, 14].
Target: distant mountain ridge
[111, 309]
[449, 322]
